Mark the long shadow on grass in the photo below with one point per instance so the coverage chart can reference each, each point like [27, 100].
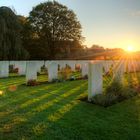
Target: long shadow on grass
[30, 92]
[31, 100]
[48, 99]
[38, 116]
[55, 112]
[90, 121]
[4, 83]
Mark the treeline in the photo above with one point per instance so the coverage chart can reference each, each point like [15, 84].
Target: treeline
[51, 31]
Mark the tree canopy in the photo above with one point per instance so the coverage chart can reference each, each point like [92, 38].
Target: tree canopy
[52, 24]
[10, 39]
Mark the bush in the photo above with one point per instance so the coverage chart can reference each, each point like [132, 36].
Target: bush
[128, 92]
[114, 93]
[104, 100]
[114, 88]
[99, 99]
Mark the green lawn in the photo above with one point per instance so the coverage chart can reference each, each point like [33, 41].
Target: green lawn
[53, 111]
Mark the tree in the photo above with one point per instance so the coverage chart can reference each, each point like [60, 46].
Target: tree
[53, 22]
[10, 39]
[31, 43]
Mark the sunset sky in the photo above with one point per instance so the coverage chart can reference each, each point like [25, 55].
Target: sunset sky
[109, 23]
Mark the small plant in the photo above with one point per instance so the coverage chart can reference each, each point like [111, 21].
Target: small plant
[65, 74]
[114, 88]
[114, 93]
[104, 100]
[32, 83]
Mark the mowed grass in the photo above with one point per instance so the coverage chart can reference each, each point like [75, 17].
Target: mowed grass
[53, 111]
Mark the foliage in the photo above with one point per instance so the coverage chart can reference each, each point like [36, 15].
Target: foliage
[104, 100]
[114, 93]
[10, 41]
[55, 27]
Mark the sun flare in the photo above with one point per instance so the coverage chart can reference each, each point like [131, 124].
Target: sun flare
[130, 48]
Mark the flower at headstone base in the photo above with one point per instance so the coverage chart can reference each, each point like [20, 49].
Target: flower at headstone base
[12, 88]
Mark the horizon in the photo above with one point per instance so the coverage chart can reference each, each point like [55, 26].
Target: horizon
[112, 24]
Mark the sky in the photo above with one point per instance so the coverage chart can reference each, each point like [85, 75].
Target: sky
[108, 23]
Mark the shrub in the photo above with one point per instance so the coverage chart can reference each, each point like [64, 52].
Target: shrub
[114, 88]
[104, 100]
[114, 93]
[128, 92]
[99, 99]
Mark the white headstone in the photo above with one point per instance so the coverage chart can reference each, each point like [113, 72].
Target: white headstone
[62, 64]
[21, 65]
[47, 64]
[52, 71]
[95, 79]
[31, 70]
[39, 65]
[84, 68]
[12, 63]
[4, 69]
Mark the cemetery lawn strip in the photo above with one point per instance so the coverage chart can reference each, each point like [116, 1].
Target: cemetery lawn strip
[53, 111]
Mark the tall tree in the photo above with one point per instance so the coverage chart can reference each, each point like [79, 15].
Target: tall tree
[10, 39]
[53, 22]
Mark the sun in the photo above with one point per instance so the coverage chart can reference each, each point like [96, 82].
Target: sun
[130, 48]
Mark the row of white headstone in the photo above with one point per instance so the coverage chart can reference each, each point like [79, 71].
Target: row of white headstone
[94, 70]
[30, 68]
